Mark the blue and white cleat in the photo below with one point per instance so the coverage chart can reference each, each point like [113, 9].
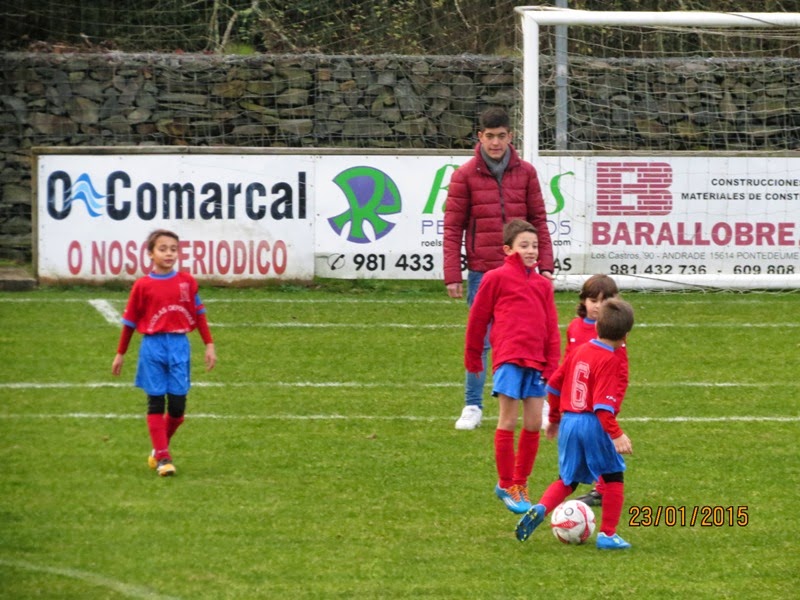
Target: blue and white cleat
[611, 542]
[513, 498]
[530, 521]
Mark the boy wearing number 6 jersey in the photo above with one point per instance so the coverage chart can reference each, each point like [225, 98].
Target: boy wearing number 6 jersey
[585, 396]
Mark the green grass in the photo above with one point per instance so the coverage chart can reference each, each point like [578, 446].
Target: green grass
[321, 461]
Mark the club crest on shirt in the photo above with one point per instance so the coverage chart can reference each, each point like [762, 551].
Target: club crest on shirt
[184, 291]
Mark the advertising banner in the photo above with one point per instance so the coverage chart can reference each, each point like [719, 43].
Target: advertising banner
[238, 217]
[701, 219]
[381, 217]
[661, 221]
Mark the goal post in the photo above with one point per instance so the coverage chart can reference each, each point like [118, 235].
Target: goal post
[535, 16]
[680, 166]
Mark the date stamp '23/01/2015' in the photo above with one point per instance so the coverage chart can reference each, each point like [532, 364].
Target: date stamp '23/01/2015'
[685, 516]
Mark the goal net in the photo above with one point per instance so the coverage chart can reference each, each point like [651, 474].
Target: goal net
[668, 144]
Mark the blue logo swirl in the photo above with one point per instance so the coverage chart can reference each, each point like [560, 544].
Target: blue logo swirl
[84, 191]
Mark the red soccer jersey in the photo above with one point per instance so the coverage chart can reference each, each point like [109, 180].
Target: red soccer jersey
[164, 304]
[581, 330]
[591, 377]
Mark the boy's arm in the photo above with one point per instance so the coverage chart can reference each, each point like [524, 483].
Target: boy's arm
[608, 421]
[205, 334]
[553, 344]
[122, 348]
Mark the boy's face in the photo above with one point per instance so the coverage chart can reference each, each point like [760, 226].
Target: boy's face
[164, 254]
[593, 307]
[495, 141]
[526, 244]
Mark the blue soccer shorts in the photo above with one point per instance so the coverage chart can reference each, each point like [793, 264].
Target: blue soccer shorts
[518, 382]
[585, 451]
[164, 364]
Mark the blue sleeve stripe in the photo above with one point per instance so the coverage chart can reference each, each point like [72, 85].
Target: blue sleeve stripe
[553, 391]
[607, 407]
[128, 323]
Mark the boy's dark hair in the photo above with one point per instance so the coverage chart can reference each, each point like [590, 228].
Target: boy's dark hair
[597, 287]
[615, 320]
[494, 117]
[513, 228]
[151, 239]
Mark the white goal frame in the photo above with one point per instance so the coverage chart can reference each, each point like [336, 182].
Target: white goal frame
[532, 17]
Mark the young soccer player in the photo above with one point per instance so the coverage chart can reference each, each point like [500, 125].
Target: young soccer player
[595, 290]
[164, 306]
[526, 344]
[585, 395]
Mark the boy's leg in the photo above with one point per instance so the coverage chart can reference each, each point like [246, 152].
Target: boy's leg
[527, 448]
[157, 427]
[613, 499]
[176, 407]
[505, 458]
[554, 495]
[528, 439]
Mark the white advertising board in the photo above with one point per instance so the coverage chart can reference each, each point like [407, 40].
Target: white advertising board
[238, 217]
[699, 220]
[651, 222]
[381, 216]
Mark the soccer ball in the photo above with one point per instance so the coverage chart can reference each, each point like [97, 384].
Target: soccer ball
[572, 522]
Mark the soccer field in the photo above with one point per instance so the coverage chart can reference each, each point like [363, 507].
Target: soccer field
[319, 459]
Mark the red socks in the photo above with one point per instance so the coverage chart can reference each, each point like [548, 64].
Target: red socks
[554, 495]
[504, 457]
[158, 436]
[514, 468]
[527, 449]
[162, 428]
[613, 497]
[172, 425]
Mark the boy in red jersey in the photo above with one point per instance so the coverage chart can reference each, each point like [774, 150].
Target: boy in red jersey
[595, 290]
[164, 306]
[585, 397]
[520, 305]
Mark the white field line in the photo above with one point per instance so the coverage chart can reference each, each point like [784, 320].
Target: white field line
[112, 316]
[124, 589]
[298, 325]
[641, 299]
[30, 385]
[340, 417]
[105, 308]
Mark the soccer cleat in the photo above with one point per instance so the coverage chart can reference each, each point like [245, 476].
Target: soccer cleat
[165, 468]
[470, 418]
[530, 521]
[611, 542]
[512, 498]
[151, 460]
[593, 498]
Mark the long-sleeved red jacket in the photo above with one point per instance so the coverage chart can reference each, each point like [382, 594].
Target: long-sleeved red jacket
[477, 207]
[520, 305]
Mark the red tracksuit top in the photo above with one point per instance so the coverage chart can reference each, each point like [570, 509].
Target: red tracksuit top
[520, 306]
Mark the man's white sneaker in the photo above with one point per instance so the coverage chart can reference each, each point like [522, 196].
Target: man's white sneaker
[470, 418]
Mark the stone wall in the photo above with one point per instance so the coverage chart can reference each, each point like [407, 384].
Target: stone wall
[313, 101]
[117, 99]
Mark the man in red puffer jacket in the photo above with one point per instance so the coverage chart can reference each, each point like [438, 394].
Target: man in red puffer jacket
[492, 188]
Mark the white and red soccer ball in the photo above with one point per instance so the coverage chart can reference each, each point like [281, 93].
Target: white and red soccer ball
[572, 522]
